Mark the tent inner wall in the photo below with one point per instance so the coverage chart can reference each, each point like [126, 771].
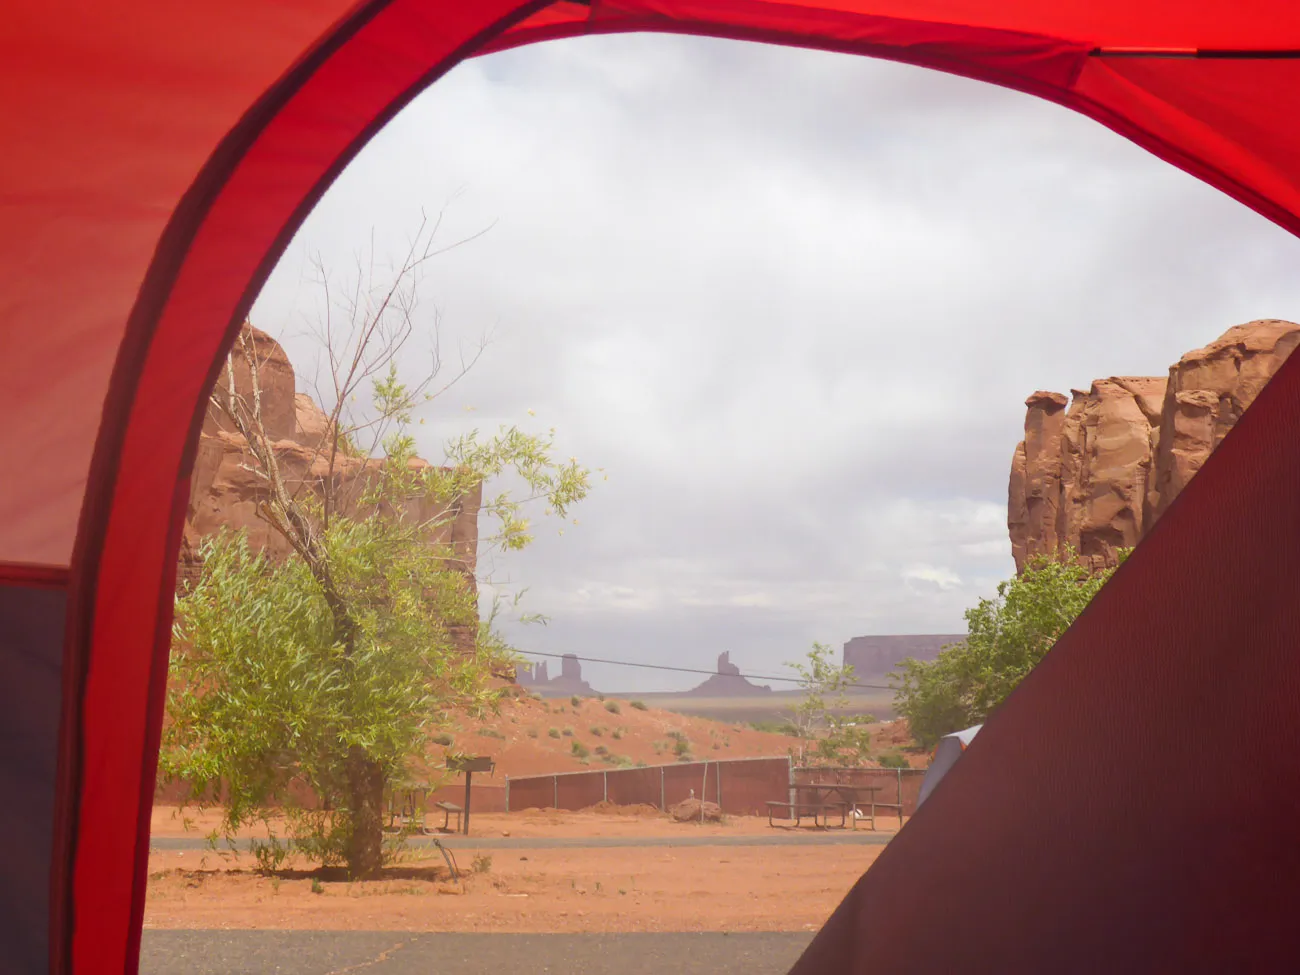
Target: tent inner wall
[31, 693]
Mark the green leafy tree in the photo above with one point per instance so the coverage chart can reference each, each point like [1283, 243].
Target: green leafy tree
[326, 674]
[1007, 636]
[827, 734]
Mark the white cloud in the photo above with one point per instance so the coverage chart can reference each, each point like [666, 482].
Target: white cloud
[793, 302]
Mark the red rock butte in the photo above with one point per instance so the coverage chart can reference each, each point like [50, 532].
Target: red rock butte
[1098, 475]
[225, 492]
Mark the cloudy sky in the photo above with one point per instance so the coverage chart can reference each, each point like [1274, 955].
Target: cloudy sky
[792, 303]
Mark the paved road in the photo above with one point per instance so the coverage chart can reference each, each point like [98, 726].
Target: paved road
[400, 953]
[452, 842]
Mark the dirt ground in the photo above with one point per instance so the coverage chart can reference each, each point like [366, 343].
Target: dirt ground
[600, 890]
[725, 888]
[599, 821]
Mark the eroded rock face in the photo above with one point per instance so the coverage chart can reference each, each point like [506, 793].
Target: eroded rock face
[225, 492]
[1097, 476]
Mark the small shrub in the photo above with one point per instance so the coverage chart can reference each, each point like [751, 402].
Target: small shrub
[532, 732]
[575, 701]
[677, 735]
[893, 760]
[717, 747]
[597, 730]
[443, 739]
[600, 749]
[481, 863]
[554, 732]
[681, 747]
[316, 886]
[579, 749]
[600, 697]
[642, 765]
[616, 734]
[612, 707]
[684, 758]
[491, 733]
[568, 732]
[640, 705]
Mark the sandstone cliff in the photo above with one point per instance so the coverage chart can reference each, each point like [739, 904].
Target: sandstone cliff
[224, 492]
[1097, 476]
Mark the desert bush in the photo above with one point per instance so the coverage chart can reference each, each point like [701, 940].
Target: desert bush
[554, 732]
[1006, 638]
[443, 739]
[612, 707]
[575, 701]
[579, 749]
[640, 705]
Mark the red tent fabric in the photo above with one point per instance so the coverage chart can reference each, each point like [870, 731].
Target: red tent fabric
[159, 156]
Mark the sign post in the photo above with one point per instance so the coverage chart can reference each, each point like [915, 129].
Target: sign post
[469, 764]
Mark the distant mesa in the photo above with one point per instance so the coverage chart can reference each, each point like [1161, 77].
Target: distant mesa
[876, 656]
[568, 682]
[727, 682]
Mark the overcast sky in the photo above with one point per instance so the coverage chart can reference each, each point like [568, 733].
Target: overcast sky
[792, 303]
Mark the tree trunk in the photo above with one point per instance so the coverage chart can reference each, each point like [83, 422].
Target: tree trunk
[366, 810]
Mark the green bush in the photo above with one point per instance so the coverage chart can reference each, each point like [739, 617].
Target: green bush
[554, 732]
[568, 732]
[616, 734]
[532, 732]
[443, 739]
[601, 750]
[596, 730]
[681, 746]
[491, 733]
[893, 760]
[579, 749]
[640, 705]
[575, 701]
[1006, 638]
[612, 707]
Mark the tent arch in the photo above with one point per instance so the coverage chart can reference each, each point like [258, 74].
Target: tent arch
[256, 188]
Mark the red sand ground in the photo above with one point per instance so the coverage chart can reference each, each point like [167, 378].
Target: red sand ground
[527, 746]
[774, 888]
[777, 888]
[598, 821]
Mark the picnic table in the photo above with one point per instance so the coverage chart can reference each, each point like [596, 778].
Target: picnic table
[818, 798]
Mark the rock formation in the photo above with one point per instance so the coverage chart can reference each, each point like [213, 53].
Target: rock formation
[872, 657]
[1097, 476]
[568, 682]
[727, 682]
[224, 492]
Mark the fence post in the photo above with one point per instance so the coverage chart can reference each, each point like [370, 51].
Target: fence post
[900, 792]
[605, 776]
[555, 780]
[507, 793]
[718, 788]
[663, 805]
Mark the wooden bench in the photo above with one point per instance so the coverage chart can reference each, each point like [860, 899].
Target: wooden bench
[797, 810]
[447, 809]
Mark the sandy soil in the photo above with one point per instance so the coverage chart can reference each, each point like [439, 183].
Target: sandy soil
[607, 890]
[529, 736]
[615, 821]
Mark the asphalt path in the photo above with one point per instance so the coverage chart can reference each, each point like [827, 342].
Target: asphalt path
[414, 953]
[457, 842]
